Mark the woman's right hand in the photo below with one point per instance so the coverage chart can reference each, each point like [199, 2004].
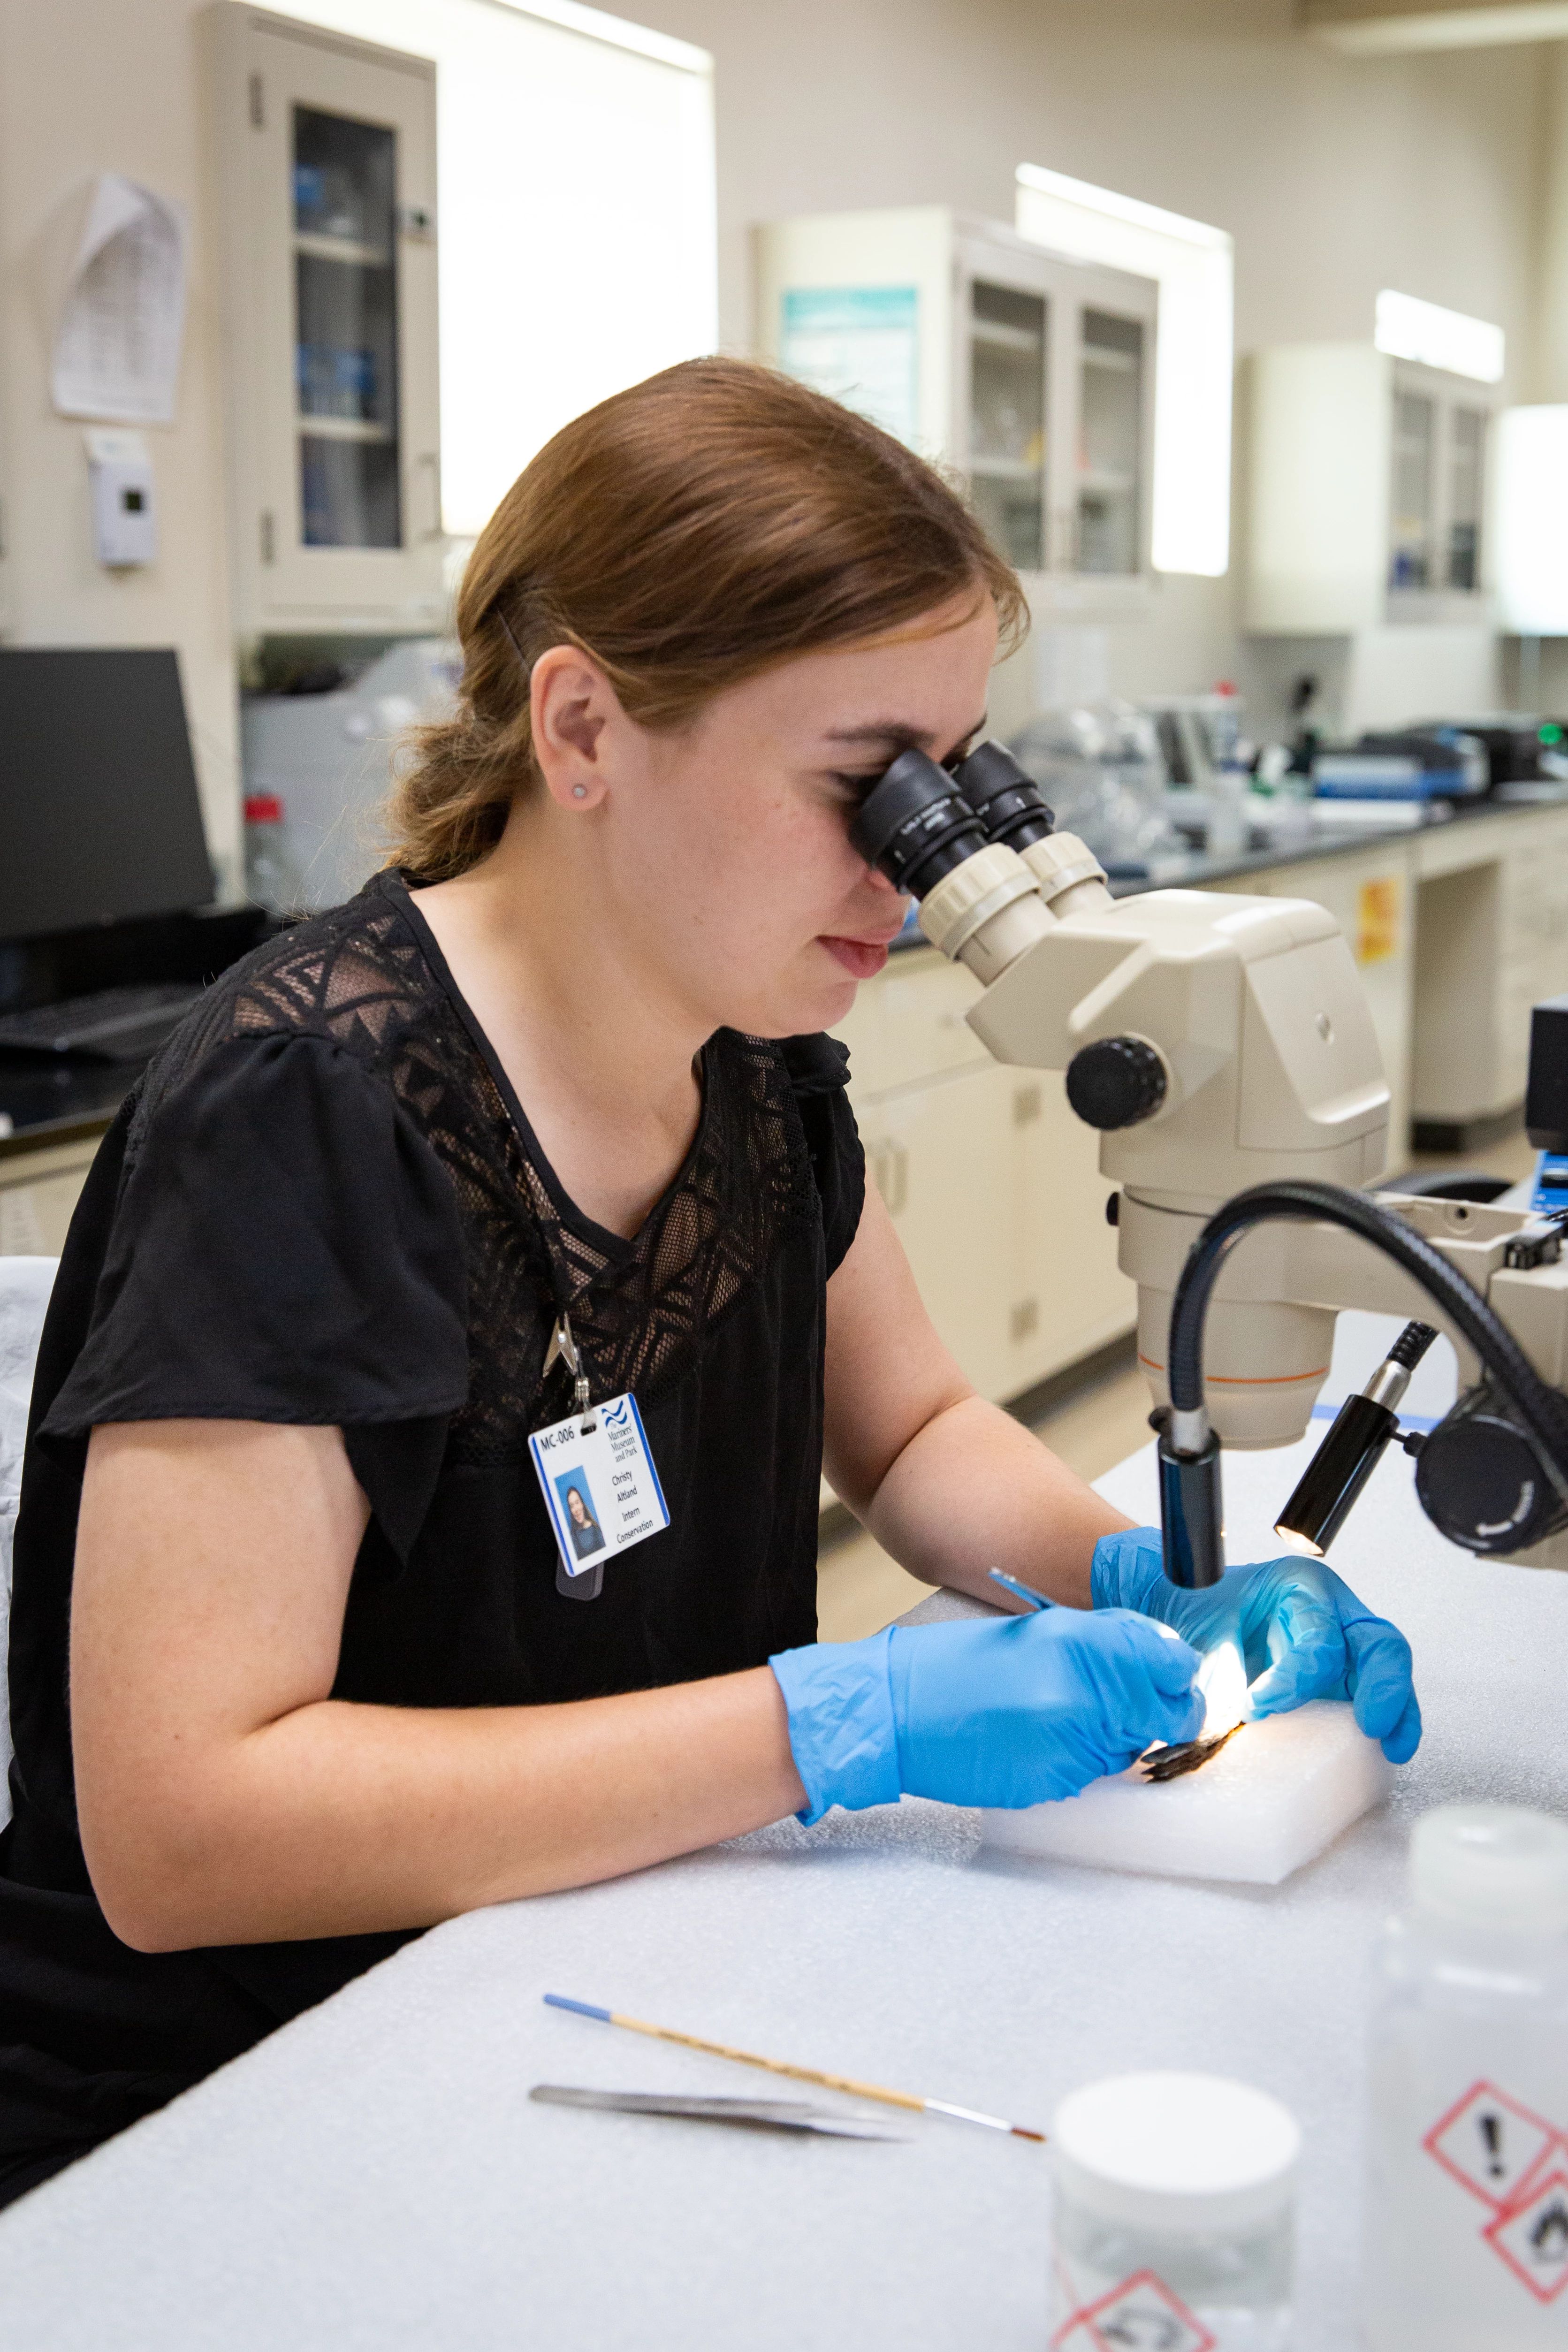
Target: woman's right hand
[1007, 1712]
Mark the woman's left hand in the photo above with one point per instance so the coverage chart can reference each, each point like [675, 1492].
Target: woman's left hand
[1301, 1632]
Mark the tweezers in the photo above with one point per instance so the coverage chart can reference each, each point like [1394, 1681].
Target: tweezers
[755, 2114]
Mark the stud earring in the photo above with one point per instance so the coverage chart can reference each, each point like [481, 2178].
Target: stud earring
[579, 792]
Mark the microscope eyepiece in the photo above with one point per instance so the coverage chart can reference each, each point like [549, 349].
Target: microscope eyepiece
[1007, 802]
[915, 824]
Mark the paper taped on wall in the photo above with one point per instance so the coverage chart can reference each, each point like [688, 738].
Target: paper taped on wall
[117, 349]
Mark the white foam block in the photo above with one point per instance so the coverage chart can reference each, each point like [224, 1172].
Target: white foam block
[1271, 1799]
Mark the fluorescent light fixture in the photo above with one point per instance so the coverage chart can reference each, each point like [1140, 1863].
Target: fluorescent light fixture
[1411, 329]
[1193, 264]
[578, 217]
[1530, 520]
[1445, 28]
[615, 30]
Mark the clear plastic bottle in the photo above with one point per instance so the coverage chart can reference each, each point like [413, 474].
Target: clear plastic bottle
[271, 878]
[1465, 2245]
[1227, 832]
[1174, 2216]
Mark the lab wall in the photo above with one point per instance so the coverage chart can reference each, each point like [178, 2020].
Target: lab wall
[91, 86]
[1335, 176]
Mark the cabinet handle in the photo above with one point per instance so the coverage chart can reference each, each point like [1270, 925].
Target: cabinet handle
[269, 542]
[890, 1175]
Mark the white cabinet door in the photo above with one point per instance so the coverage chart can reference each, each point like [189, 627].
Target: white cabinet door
[940, 1156]
[1068, 1295]
[326, 161]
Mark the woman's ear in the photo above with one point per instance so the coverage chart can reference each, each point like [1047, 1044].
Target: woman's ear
[571, 705]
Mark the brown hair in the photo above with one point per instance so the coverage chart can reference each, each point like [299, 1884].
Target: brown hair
[689, 533]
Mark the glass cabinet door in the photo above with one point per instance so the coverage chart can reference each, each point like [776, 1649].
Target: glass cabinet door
[345, 331]
[1007, 419]
[1411, 550]
[1465, 458]
[1111, 444]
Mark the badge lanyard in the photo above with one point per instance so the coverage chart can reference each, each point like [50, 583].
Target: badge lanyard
[596, 1475]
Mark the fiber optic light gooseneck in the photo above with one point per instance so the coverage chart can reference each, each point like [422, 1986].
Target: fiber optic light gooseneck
[1492, 1477]
[1222, 1047]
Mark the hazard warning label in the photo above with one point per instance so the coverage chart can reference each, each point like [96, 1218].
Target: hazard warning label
[1490, 2143]
[1532, 2234]
[1516, 2162]
[1141, 2314]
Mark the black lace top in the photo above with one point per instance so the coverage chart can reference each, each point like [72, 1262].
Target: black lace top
[325, 1205]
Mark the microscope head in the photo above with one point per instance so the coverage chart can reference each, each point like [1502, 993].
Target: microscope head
[1217, 1041]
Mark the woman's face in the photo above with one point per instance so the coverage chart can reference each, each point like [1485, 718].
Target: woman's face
[724, 848]
[576, 1506]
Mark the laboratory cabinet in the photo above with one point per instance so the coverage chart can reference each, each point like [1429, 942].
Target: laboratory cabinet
[993, 1185]
[324, 156]
[1366, 491]
[1030, 374]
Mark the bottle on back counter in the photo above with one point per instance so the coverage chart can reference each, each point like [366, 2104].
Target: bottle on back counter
[1465, 2245]
[272, 879]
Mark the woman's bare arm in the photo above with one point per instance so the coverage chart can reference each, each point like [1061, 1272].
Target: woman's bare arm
[948, 1483]
[223, 1797]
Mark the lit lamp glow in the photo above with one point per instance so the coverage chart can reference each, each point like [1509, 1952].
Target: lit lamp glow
[1222, 1679]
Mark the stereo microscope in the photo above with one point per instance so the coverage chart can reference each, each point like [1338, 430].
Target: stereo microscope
[1222, 1047]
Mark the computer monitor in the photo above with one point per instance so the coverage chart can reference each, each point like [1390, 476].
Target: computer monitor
[100, 819]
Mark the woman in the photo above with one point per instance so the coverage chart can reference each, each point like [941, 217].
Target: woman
[296, 1669]
[587, 1534]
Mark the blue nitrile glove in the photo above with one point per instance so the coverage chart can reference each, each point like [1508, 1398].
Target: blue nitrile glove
[1301, 1630]
[1003, 1711]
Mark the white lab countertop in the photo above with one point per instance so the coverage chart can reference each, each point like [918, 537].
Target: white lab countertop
[374, 2175]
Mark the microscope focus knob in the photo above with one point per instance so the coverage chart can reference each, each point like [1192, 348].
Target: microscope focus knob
[1116, 1082]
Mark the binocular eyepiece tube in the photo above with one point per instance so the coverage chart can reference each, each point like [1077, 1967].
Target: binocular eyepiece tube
[921, 820]
[978, 847]
[916, 826]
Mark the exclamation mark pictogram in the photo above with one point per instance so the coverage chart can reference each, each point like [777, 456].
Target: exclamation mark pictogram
[1491, 2132]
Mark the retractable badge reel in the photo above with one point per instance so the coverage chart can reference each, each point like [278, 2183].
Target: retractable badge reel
[596, 1475]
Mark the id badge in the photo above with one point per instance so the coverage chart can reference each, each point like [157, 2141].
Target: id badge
[599, 1484]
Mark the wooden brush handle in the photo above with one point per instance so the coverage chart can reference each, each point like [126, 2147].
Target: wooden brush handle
[773, 2065]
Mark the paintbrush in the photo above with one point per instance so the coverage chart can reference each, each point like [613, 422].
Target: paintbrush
[798, 2074]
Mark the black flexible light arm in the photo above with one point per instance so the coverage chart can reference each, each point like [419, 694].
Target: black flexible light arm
[1188, 1452]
